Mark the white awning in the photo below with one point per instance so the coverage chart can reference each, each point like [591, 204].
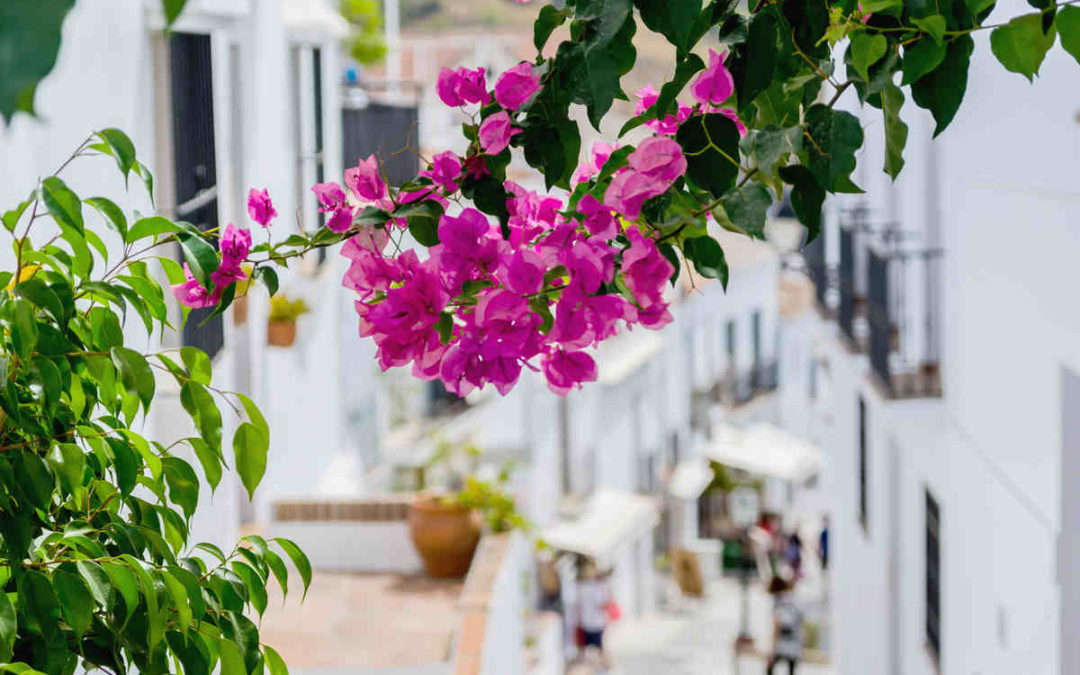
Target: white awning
[765, 449]
[610, 518]
[690, 478]
[313, 16]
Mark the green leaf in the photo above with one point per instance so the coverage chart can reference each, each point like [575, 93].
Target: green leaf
[1021, 45]
[200, 405]
[942, 90]
[29, 41]
[281, 573]
[835, 136]
[809, 19]
[269, 278]
[200, 256]
[1067, 23]
[125, 584]
[708, 258]
[921, 58]
[39, 293]
[120, 147]
[38, 603]
[746, 208]
[866, 50]
[256, 586]
[711, 146]
[135, 374]
[978, 6]
[183, 484]
[96, 580]
[299, 560]
[753, 63]
[896, 131]
[274, 661]
[593, 79]
[424, 223]
[232, 661]
[172, 9]
[684, 70]
[249, 447]
[934, 25]
[148, 179]
[550, 18]
[62, 203]
[9, 626]
[75, 601]
[179, 596]
[154, 613]
[674, 19]
[197, 363]
[68, 462]
[807, 196]
[881, 6]
[11, 216]
[772, 145]
[113, 215]
[778, 107]
[149, 227]
[187, 649]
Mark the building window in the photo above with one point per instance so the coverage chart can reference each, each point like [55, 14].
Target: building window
[194, 161]
[933, 577]
[308, 122]
[729, 329]
[864, 497]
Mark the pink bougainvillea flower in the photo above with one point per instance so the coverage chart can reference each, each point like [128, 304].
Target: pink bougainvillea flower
[234, 244]
[628, 191]
[340, 219]
[473, 86]
[192, 294]
[646, 98]
[715, 84]
[330, 195]
[462, 86]
[658, 157]
[445, 169]
[365, 180]
[260, 208]
[495, 133]
[598, 218]
[598, 157]
[516, 86]
[523, 271]
[566, 370]
[447, 87]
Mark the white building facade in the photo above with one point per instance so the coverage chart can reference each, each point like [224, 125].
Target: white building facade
[947, 408]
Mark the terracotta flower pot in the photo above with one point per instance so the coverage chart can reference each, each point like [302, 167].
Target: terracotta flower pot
[240, 311]
[445, 536]
[281, 333]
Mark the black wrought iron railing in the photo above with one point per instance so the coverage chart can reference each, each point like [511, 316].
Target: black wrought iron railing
[903, 288]
[846, 313]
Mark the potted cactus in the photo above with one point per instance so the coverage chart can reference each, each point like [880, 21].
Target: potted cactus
[281, 324]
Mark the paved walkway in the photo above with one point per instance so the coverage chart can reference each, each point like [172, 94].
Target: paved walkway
[697, 637]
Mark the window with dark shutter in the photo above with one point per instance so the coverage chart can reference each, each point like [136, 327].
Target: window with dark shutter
[864, 497]
[933, 577]
[195, 169]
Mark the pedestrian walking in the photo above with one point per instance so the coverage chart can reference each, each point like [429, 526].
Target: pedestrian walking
[787, 627]
[793, 554]
[823, 543]
[594, 610]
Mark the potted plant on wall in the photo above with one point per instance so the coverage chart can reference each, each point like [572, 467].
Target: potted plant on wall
[281, 324]
[445, 525]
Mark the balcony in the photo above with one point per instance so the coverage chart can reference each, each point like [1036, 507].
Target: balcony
[902, 313]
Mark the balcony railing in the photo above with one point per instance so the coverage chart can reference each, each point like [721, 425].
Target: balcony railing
[902, 313]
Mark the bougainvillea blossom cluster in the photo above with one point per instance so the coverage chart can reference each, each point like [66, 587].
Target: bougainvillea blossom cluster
[559, 275]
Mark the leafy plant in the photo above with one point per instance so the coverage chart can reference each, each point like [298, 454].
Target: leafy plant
[366, 43]
[497, 507]
[97, 570]
[284, 309]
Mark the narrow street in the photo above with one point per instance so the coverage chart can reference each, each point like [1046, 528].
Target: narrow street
[697, 637]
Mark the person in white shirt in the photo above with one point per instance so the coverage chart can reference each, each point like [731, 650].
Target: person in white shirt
[594, 596]
[787, 627]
